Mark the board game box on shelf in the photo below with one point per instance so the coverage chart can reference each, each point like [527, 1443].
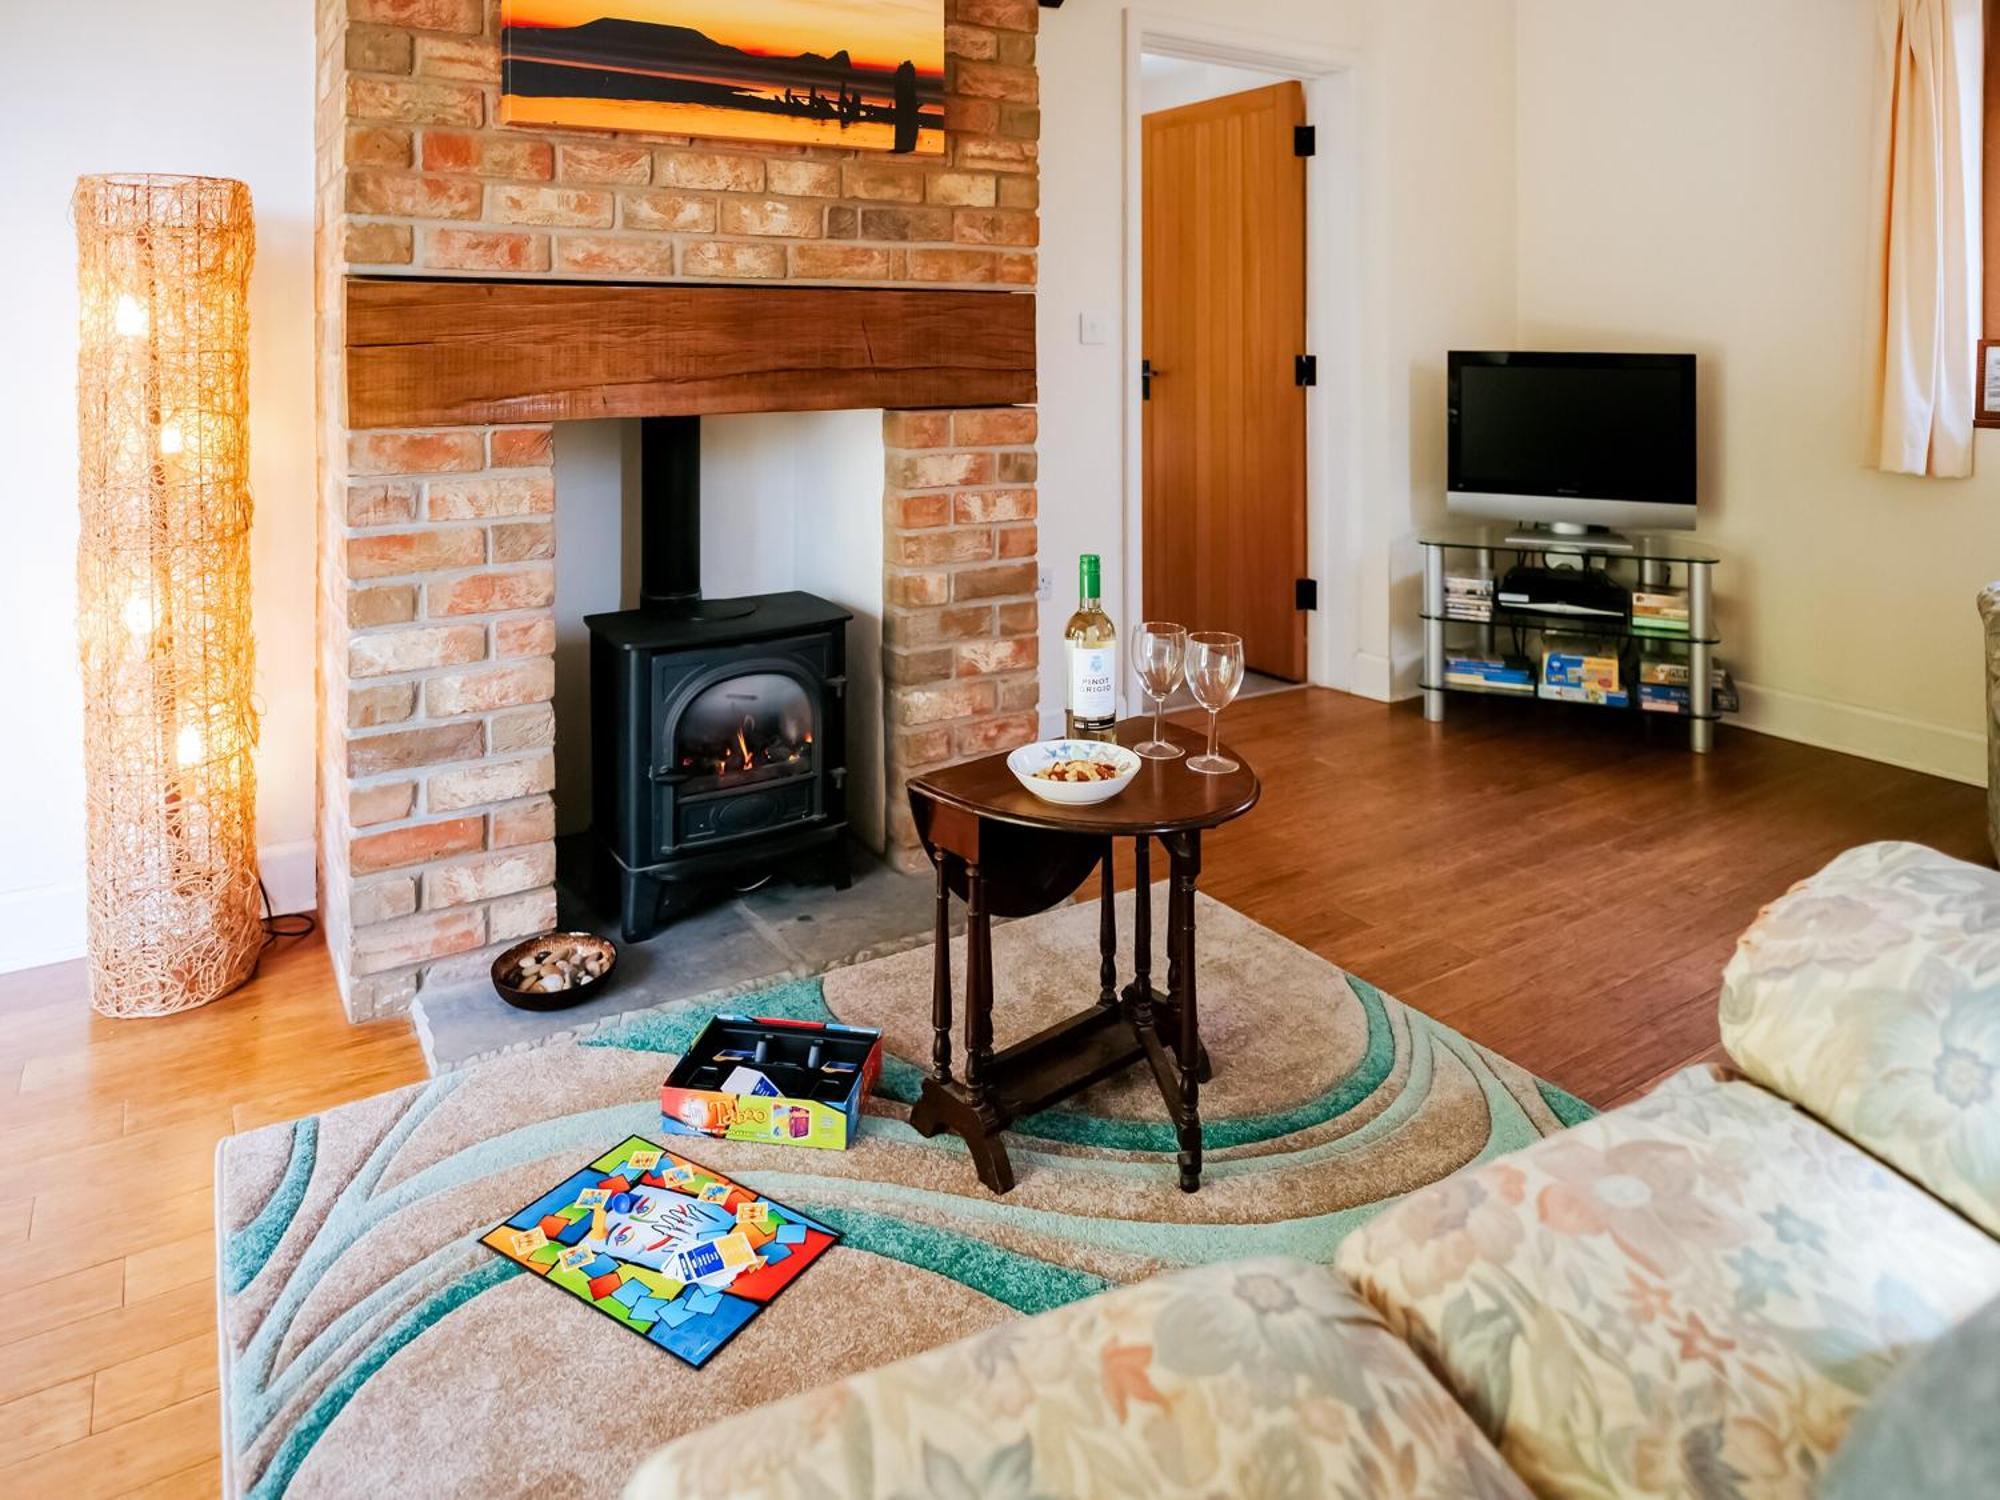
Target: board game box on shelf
[788, 1083]
[681, 1255]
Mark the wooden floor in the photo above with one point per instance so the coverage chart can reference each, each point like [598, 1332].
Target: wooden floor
[1562, 885]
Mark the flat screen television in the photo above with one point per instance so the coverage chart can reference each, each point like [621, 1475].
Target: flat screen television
[1573, 441]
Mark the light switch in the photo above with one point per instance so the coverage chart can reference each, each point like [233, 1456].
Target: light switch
[1093, 328]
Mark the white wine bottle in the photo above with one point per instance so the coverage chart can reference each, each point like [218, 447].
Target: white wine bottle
[1091, 710]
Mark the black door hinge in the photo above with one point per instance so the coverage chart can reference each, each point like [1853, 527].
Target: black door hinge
[1305, 594]
[1305, 370]
[1145, 380]
[1305, 140]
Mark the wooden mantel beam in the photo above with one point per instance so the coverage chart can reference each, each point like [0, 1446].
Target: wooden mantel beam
[428, 353]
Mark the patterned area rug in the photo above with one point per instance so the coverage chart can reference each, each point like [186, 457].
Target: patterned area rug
[371, 1344]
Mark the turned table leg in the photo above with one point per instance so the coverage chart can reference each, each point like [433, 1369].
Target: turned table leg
[1107, 934]
[1185, 850]
[941, 976]
[989, 1154]
[1142, 915]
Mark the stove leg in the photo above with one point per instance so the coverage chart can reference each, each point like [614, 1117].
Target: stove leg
[837, 868]
[639, 899]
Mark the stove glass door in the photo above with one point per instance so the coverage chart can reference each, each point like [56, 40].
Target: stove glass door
[745, 731]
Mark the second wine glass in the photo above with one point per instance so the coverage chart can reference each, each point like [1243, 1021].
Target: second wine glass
[1214, 673]
[1159, 651]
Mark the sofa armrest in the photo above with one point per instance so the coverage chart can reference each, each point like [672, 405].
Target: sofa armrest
[1222, 1380]
[1869, 994]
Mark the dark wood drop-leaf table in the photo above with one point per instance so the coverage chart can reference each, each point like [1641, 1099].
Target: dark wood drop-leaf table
[1006, 853]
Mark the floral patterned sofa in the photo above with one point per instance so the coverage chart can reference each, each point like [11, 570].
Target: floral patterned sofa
[1690, 1295]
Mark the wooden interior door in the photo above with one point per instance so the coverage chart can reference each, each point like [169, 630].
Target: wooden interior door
[1225, 320]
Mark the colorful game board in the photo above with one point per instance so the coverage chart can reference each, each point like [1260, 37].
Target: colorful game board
[682, 1256]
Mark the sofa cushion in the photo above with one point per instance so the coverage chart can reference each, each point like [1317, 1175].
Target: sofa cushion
[1261, 1377]
[1929, 1433]
[1688, 1295]
[1870, 994]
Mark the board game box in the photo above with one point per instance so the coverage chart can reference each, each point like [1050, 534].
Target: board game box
[681, 1255]
[786, 1083]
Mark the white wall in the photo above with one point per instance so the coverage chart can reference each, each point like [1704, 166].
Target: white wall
[217, 87]
[1170, 82]
[788, 501]
[1431, 144]
[1695, 176]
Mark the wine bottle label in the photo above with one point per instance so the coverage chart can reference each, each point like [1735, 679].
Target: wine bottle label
[1093, 681]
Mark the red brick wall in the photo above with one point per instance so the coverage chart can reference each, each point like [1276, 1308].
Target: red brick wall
[959, 614]
[436, 574]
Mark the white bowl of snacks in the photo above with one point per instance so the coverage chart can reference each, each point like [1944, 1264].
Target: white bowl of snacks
[1074, 773]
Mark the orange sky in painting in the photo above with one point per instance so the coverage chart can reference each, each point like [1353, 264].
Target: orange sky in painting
[875, 32]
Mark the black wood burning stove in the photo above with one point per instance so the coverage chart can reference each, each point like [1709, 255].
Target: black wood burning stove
[718, 726]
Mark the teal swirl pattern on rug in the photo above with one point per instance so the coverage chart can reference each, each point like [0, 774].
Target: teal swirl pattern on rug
[367, 1333]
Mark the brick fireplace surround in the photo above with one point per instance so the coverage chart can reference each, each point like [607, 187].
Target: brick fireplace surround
[436, 573]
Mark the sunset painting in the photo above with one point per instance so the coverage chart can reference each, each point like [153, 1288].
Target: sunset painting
[864, 73]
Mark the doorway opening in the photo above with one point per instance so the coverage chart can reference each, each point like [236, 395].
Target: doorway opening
[1242, 488]
[1226, 365]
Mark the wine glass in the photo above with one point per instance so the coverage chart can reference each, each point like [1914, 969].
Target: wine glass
[1214, 673]
[1158, 652]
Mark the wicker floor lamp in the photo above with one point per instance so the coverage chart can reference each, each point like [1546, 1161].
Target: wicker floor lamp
[163, 589]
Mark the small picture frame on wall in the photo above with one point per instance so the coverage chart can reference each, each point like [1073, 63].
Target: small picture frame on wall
[1986, 386]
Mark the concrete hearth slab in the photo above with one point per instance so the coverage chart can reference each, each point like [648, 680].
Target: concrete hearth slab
[749, 943]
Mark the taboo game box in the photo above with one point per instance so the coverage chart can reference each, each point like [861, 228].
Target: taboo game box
[681, 1255]
[787, 1083]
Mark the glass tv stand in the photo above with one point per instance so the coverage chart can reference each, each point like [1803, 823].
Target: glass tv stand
[1673, 561]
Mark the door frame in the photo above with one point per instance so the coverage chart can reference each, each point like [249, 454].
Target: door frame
[1333, 203]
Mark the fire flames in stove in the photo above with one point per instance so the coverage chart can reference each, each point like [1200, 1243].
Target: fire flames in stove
[748, 730]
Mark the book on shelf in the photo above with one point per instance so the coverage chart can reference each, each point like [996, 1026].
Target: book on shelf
[1468, 598]
[1502, 674]
[1722, 691]
[1660, 613]
[1586, 675]
[1664, 688]
[1586, 693]
[1581, 668]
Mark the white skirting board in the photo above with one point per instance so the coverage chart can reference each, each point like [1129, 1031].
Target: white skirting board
[44, 924]
[1956, 754]
[1371, 676]
[1934, 749]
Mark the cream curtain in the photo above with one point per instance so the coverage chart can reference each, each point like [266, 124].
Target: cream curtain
[1928, 131]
